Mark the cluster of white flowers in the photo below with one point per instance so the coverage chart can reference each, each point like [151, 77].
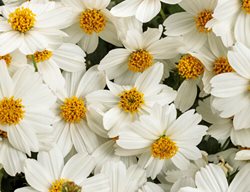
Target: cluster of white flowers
[117, 126]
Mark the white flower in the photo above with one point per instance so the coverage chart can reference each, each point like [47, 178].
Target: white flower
[14, 61]
[191, 24]
[150, 187]
[191, 69]
[231, 90]
[229, 21]
[71, 127]
[162, 138]
[90, 21]
[142, 50]
[143, 10]
[124, 179]
[183, 178]
[36, 32]
[24, 115]
[127, 103]
[215, 61]
[68, 57]
[212, 178]
[50, 174]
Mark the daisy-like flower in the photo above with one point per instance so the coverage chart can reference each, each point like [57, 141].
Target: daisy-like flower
[192, 23]
[14, 61]
[124, 179]
[143, 10]
[182, 178]
[90, 21]
[160, 138]
[215, 61]
[230, 21]
[191, 69]
[49, 173]
[24, 113]
[71, 127]
[105, 152]
[68, 57]
[32, 26]
[126, 103]
[212, 178]
[142, 50]
[231, 88]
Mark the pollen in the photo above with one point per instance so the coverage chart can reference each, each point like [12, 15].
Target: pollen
[201, 20]
[246, 6]
[41, 56]
[190, 67]
[3, 134]
[140, 60]
[22, 19]
[92, 21]
[221, 65]
[11, 111]
[131, 100]
[64, 185]
[164, 148]
[73, 110]
[7, 58]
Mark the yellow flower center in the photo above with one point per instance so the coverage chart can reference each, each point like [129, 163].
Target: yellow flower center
[221, 65]
[11, 111]
[22, 19]
[201, 20]
[7, 58]
[64, 185]
[246, 6]
[41, 56]
[140, 60]
[3, 134]
[190, 67]
[73, 110]
[131, 100]
[164, 148]
[92, 21]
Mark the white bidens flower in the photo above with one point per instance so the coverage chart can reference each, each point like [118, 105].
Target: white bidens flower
[24, 115]
[191, 69]
[68, 57]
[143, 10]
[212, 178]
[127, 103]
[50, 174]
[229, 21]
[160, 137]
[192, 23]
[72, 126]
[31, 27]
[91, 20]
[14, 61]
[142, 50]
[231, 88]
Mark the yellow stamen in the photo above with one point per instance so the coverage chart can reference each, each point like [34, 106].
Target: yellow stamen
[7, 58]
[11, 111]
[41, 56]
[22, 19]
[92, 21]
[221, 65]
[131, 100]
[140, 60]
[73, 110]
[246, 6]
[164, 148]
[201, 20]
[190, 67]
